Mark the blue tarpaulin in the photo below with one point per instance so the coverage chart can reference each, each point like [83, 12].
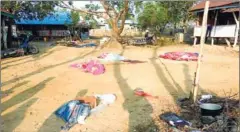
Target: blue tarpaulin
[57, 18]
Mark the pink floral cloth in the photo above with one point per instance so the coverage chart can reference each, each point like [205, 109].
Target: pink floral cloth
[91, 66]
[180, 56]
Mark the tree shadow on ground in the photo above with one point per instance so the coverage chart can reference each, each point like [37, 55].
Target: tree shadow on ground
[42, 49]
[190, 81]
[30, 92]
[174, 92]
[52, 123]
[46, 68]
[15, 60]
[171, 88]
[14, 118]
[9, 91]
[37, 57]
[139, 108]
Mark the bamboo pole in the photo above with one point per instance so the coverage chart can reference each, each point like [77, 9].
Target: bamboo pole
[202, 41]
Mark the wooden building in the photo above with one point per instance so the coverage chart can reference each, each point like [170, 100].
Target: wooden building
[6, 29]
[223, 21]
[54, 25]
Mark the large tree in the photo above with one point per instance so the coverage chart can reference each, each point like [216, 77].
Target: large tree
[27, 10]
[115, 13]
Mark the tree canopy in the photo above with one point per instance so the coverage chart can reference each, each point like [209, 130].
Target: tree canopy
[29, 9]
[160, 13]
[152, 16]
[177, 11]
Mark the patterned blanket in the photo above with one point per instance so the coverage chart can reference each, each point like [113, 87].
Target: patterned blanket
[180, 56]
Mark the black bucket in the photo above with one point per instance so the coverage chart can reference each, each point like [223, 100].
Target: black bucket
[209, 109]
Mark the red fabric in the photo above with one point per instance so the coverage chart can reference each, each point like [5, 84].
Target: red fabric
[144, 94]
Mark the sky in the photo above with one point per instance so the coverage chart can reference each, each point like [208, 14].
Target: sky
[81, 4]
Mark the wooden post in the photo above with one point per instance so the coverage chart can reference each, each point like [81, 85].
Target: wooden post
[237, 29]
[228, 42]
[215, 23]
[203, 34]
[4, 34]
[212, 42]
[195, 41]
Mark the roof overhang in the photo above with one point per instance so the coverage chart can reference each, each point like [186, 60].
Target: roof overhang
[218, 8]
[214, 5]
[231, 10]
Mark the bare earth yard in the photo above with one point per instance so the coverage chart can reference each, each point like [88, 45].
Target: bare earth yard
[34, 87]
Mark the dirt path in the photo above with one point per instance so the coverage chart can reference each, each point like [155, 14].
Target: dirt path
[35, 86]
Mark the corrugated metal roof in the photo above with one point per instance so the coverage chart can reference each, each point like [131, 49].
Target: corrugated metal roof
[213, 3]
[58, 18]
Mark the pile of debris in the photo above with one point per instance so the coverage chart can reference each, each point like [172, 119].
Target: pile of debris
[212, 114]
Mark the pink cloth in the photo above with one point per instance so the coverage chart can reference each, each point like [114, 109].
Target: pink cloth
[76, 65]
[180, 56]
[92, 66]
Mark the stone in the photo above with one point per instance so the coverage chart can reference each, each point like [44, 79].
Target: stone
[207, 119]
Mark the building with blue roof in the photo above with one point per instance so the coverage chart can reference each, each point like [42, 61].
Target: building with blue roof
[53, 25]
[57, 18]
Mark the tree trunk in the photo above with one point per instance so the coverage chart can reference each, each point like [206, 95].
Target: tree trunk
[175, 27]
[185, 26]
[116, 34]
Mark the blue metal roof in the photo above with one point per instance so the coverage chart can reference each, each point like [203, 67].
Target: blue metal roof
[57, 18]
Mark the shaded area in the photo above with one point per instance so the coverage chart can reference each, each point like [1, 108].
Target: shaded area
[35, 57]
[189, 82]
[9, 91]
[82, 93]
[167, 84]
[44, 47]
[25, 94]
[139, 108]
[22, 58]
[14, 118]
[179, 88]
[52, 123]
[39, 58]
[46, 68]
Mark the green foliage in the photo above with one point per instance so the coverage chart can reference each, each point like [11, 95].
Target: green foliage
[178, 11]
[75, 17]
[90, 17]
[29, 9]
[153, 15]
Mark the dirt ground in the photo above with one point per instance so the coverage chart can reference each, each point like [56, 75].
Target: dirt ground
[33, 87]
